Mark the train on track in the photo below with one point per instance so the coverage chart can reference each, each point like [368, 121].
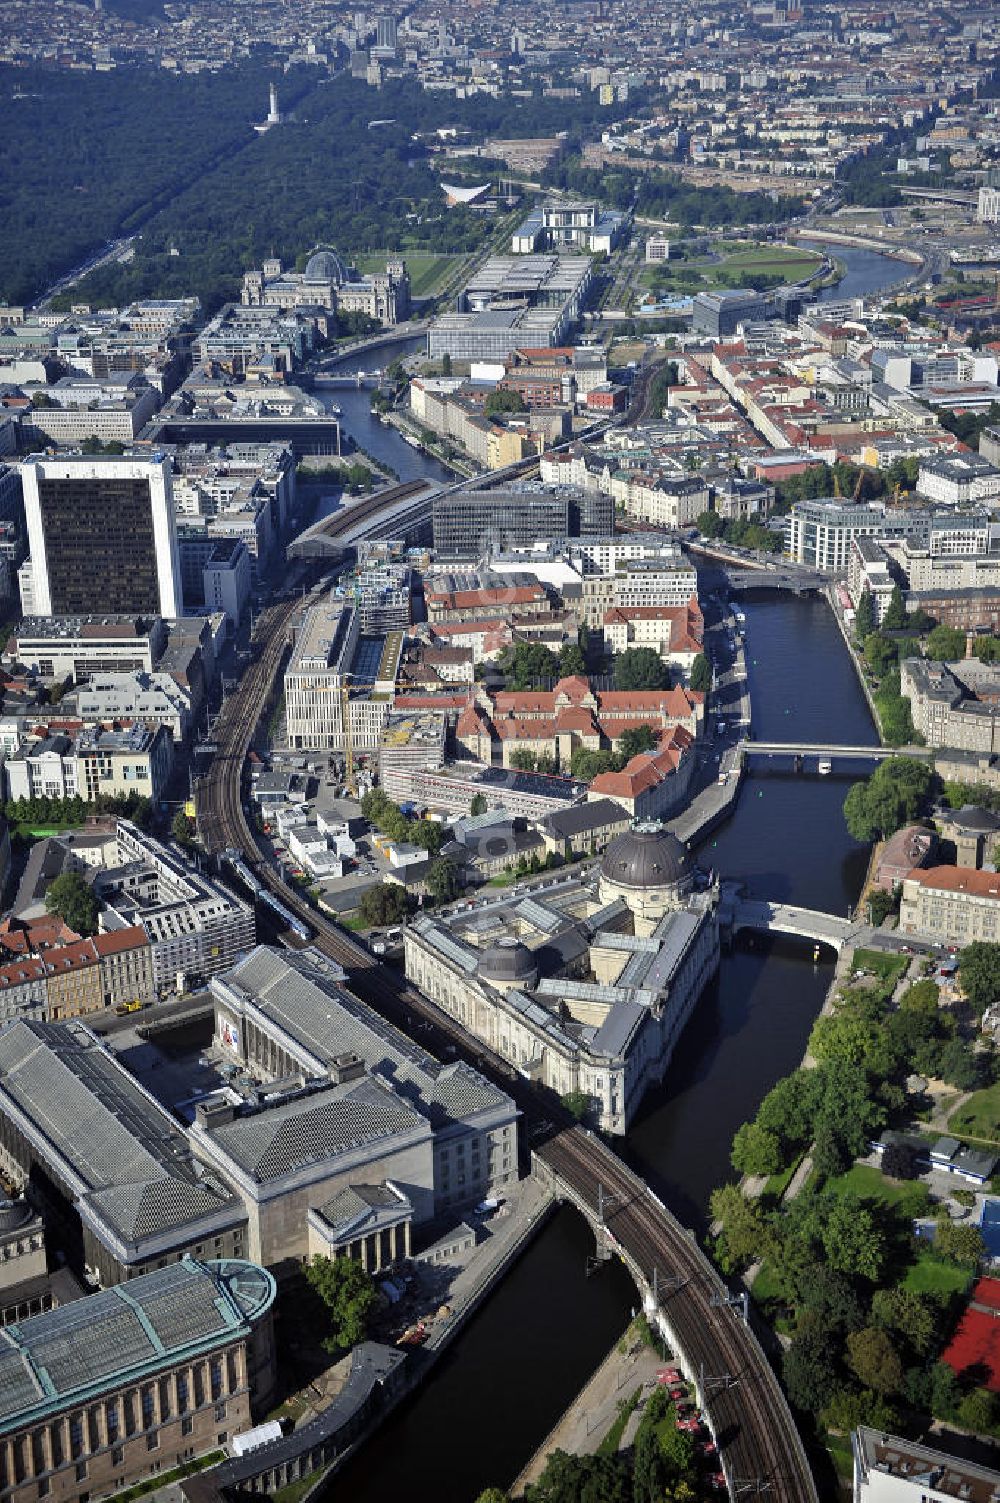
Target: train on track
[235, 861]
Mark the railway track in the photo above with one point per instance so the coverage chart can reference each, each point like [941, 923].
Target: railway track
[756, 1434]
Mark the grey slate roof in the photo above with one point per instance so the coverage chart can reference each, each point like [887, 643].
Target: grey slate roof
[579, 818]
[311, 1129]
[359, 1209]
[122, 1156]
[298, 993]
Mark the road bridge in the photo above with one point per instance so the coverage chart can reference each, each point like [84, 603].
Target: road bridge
[700, 1318]
[829, 751]
[799, 581]
[765, 917]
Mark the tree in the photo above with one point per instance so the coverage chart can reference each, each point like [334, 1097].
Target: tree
[701, 674]
[873, 1357]
[961, 1066]
[880, 905]
[789, 1107]
[900, 1161]
[478, 804]
[908, 1315]
[428, 833]
[853, 1240]
[945, 644]
[840, 1036]
[442, 879]
[641, 738]
[523, 760]
[810, 1367]
[571, 660]
[895, 615]
[493, 1495]
[528, 665]
[865, 617]
[979, 974]
[756, 1151]
[503, 401]
[383, 904]
[746, 1232]
[74, 902]
[183, 828]
[881, 653]
[586, 765]
[577, 1103]
[581, 1479]
[446, 364]
[894, 795]
[350, 1296]
[709, 524]
[945, 1392]
[959, 1244]
[641, 668]
[978, 1411]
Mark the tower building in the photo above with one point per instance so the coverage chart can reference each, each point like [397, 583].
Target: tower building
[102, 536]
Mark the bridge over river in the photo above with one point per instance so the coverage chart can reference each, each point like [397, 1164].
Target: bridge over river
[829, 751]
[701, 1319]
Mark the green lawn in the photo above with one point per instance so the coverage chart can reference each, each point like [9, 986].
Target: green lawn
[928, 1276]
[839, 1447]
[426, 269]
[777, 1184]
[889, 967]
[980, 1116]
[767, 1287]
[869, 1183]
[791, 263]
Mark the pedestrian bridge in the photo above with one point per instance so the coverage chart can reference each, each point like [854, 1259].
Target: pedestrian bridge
[818, 749]
[765, 917]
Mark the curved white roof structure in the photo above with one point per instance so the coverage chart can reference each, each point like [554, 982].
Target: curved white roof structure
[458, 195]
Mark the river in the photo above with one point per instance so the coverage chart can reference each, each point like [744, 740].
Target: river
[497, 1393]
[866, 270]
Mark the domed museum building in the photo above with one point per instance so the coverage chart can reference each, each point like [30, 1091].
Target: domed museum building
[586, 981]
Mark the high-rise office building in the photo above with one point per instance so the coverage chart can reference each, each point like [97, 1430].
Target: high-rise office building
[469, 523]
[386, 31]
[102, 536]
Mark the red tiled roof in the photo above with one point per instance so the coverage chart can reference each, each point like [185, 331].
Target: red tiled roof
[958, 879]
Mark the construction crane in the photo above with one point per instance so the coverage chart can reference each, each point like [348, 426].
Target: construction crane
[345, 713]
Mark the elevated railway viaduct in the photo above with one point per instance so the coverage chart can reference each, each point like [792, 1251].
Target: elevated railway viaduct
[759, 1445]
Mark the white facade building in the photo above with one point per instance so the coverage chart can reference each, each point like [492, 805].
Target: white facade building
[101, 532]
[889, 1469]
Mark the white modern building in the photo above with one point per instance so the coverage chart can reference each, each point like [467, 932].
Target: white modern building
[959, 479]
[136, 696]
[101, 532]
[889, 1469]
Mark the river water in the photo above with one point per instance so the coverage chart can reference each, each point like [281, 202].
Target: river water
[497, 1393]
